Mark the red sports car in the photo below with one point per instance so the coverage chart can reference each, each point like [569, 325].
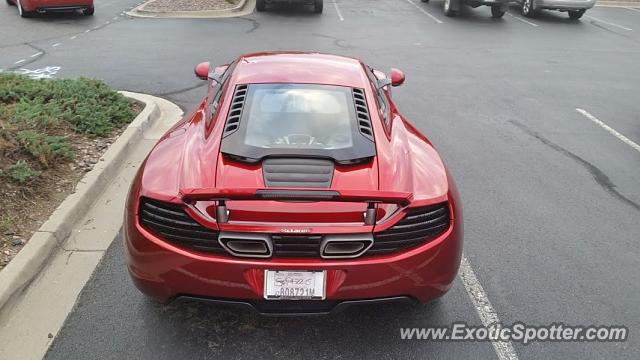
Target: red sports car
[296, 186]
[28, 8]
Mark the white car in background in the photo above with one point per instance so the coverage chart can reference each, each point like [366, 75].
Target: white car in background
[575, 8]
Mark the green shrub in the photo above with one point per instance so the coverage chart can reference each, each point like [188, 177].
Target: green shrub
[37, 113]
[45, 148]
[87, 106]
[22, 172]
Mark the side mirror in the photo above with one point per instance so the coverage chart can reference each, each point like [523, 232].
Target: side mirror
[202, 71]
[397, 77]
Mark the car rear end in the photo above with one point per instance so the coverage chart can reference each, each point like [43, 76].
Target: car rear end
[53, 6]
[278, 267]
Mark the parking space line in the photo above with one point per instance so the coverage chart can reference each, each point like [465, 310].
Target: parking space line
[485, 310]
[608, 23]
[611, 130]
[425, 12]
[55, 45]
[522, 20]
[335, 4]
[20, 61]
[36, 54]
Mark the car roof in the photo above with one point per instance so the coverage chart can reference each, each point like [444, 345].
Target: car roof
[298, 67]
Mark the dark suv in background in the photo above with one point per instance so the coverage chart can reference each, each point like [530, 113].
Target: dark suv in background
[261, 5]
[453, 7]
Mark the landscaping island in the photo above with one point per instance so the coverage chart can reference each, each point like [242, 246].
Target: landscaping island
[51, 133]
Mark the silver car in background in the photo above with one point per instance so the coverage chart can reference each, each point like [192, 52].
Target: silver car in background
[575, 8]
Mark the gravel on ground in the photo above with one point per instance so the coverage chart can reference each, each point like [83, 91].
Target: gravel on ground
[189, 5]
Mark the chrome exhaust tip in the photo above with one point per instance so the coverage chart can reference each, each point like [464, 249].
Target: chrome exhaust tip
[246, 244]
[345, 246]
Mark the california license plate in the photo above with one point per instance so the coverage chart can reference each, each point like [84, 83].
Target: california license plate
[294, 285]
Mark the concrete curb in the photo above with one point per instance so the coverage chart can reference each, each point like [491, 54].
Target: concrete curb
[32, 258]
[238, 10]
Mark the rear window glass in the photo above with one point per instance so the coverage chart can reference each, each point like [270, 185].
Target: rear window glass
[299, 116]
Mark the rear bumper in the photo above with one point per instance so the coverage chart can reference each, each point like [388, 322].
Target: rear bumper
[61, 9]
[299, 308]
[164, 271]
[565, 4]
[55, 5]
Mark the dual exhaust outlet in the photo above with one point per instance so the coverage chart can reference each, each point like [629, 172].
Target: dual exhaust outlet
[334, 246]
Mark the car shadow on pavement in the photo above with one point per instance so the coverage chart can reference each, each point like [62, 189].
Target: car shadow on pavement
[241, 331]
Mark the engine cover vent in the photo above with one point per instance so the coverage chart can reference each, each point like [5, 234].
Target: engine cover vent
[362, 112]
[297, 172]
[235, 111]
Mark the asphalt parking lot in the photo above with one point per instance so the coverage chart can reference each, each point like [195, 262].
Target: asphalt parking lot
[536, 118]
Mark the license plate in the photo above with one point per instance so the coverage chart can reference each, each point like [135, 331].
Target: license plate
[294, 285]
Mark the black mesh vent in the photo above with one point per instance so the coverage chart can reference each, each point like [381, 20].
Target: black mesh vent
[362, 112]
[418, 226]
[297, 172]
[235, 111]
[296, 245]
[173, 224]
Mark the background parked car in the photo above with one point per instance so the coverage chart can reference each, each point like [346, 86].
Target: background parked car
[575, 8]
[261, 5]
[453, 7]
[28, 8]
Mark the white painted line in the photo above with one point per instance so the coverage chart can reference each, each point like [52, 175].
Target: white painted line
[74, 37]
[107, 22]
[115, 18]
[608, 23]
[20, 61]
[522, 20]
[425, 12]
[335, 4]
[611, 130]
[87, 30]
[632, 9]
[36, 54]
[485, 310]
[55, 45]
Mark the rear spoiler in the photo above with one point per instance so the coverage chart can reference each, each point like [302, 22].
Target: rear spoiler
[371, 197]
